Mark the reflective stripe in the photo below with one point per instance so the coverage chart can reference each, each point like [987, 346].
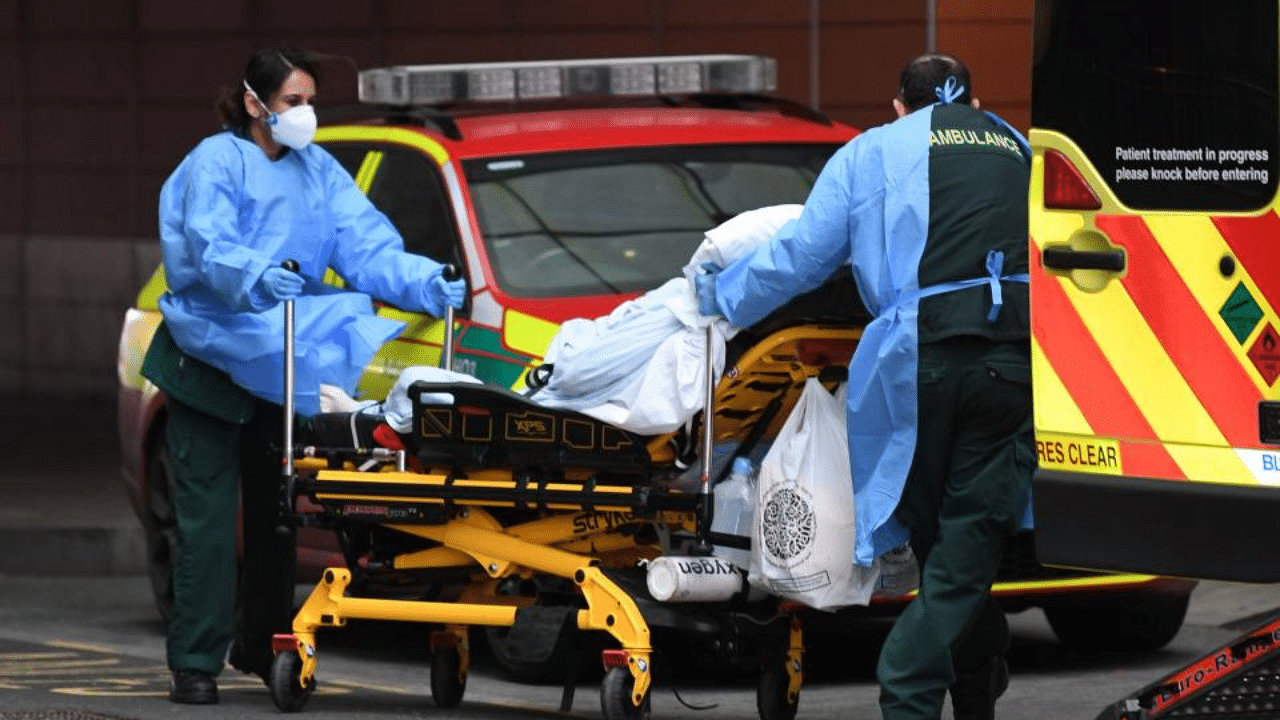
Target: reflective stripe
[1089, 378]
[1161, 285]
[368, 170]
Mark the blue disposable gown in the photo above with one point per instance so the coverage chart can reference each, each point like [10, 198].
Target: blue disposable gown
[227, 213]
[870, 208]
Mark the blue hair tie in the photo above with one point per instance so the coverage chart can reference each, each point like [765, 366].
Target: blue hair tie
[995, 266]
[950, 91]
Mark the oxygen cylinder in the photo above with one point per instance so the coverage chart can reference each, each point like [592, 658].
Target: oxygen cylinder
[694, 579]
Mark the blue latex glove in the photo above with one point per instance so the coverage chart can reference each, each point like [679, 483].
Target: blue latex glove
[704, 286]
[447, 292]
[279, 284]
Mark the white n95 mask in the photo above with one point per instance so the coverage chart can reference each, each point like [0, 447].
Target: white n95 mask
[294, 128]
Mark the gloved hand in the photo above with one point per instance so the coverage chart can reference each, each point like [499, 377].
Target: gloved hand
[279, 284]
[448, 292]
[704, 286]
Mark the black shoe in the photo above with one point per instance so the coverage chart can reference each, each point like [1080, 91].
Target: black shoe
[974, 695]
[193, 687]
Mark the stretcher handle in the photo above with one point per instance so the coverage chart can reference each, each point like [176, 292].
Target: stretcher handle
[450, 273]
[706, 493]
[292, 266]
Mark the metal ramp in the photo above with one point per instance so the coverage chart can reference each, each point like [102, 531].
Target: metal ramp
[1236, 681]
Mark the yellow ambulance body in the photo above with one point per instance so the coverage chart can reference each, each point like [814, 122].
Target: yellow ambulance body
[1156, 286]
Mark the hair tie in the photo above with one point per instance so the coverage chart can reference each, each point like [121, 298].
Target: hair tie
[950, 91]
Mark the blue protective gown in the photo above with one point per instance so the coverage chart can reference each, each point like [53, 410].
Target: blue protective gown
[870, 207]
[227, 213]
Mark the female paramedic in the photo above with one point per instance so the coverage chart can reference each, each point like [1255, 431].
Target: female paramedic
[242, 202]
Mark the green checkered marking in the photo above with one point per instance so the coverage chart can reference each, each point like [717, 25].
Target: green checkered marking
[504, 370]
[1241, 313]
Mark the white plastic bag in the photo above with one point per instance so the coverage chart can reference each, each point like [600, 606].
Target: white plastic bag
[803, 536]
[899, 573]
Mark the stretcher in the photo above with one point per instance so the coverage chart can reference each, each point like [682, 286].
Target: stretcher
[495, 512]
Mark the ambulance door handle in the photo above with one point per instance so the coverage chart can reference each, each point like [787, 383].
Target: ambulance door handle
[1064, 258]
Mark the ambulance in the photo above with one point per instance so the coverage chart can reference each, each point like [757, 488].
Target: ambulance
[1155, 286]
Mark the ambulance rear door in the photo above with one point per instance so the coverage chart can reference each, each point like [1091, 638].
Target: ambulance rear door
[1156, 285]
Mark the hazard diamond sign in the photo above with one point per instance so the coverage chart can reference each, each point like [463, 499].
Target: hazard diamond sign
[1241, 313]
[1265, 354]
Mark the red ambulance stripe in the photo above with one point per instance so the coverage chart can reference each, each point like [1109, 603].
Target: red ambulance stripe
[1254, 242]
[1089, 378]
[1186, 333]
[1148, 459]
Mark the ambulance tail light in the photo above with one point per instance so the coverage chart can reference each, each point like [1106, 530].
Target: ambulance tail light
[1064, 187]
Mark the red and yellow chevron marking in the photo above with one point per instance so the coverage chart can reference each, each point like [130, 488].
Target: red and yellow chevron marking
[1142, 368]
[1253, 240]
[1084, 384]
[1207, 356]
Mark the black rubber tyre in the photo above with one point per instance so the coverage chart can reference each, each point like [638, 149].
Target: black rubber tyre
[447, 683]
[771, 692]
[1128, 622]
[517, 670]
[286, 692]
[161, 529]
[615, 697]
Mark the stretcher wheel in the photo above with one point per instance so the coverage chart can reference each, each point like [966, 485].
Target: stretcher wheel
[772, 699]
[615, 697]
[287, 693]
[447, 680]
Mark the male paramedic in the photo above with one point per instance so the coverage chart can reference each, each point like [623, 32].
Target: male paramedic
[931, 212]
[242, 202]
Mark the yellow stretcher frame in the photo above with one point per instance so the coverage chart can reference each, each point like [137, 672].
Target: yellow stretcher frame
[763, 385]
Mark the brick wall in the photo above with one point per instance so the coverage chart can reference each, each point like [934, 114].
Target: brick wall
[99, 100]
[994, 38]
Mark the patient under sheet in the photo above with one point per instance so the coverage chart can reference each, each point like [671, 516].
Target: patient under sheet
[642, 367]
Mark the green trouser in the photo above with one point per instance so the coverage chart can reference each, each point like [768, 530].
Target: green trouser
[208, 456]
[964, 497]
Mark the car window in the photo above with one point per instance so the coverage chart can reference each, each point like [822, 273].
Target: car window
[348, 156]
[409, 189]
[623, 220]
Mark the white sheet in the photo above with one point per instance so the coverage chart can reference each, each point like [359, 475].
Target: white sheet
[643, 366]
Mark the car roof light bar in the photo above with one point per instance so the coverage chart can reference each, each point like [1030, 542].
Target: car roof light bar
[563, 79]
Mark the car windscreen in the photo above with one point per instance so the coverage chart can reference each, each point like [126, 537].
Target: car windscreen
[623, 220]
